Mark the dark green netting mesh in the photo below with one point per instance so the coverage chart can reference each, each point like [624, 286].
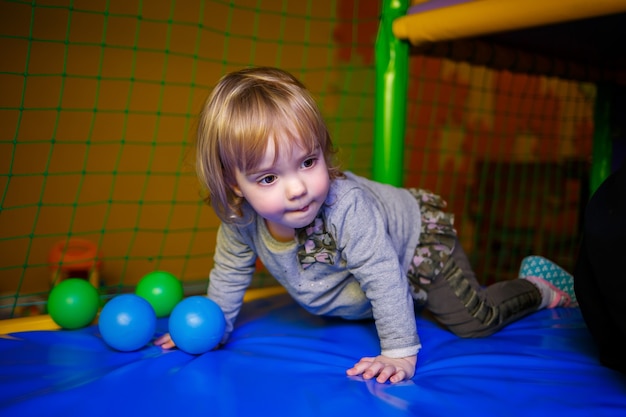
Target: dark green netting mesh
[98, 105]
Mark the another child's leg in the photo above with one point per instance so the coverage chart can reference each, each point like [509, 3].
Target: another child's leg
[459, 302]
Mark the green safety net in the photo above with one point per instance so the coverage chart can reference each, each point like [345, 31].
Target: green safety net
[98, 109]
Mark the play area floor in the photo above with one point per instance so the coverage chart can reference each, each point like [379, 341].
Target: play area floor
[282, 361]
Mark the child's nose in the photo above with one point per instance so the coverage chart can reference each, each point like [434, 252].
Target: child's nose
[296, 188]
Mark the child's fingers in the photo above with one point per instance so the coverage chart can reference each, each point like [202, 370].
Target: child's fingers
[383, 371]
[360, 366]
[165, 341]
[399, 376]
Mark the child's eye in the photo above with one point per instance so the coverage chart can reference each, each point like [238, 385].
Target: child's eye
[308, 163]
[268, 179]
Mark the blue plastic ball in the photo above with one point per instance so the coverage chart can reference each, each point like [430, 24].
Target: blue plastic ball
[127, 322]
[197, 325]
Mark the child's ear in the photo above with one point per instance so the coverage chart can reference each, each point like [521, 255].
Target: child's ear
[237, 191]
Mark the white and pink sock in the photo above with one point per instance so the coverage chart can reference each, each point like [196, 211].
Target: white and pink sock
[551, 296]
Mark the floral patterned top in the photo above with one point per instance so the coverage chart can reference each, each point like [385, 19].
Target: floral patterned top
[351, 262]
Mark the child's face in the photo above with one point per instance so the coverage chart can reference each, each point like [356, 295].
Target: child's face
[289, 192]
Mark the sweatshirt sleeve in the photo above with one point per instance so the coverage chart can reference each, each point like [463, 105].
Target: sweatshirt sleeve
[371, 258]
[234, 265]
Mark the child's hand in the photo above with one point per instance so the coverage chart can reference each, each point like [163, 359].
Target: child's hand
[165, 341]
[384, 368]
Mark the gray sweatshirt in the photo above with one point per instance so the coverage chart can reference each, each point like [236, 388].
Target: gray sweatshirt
[371, 231]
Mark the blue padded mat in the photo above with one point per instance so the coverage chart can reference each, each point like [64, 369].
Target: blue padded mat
[282, 361]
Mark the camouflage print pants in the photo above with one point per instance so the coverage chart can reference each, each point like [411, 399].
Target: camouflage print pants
[443, 281]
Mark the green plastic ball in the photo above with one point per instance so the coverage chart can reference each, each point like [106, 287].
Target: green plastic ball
[162, 290]
[73, 303]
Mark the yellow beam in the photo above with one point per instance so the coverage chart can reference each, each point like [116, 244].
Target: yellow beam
[22, 324]
[483, 17]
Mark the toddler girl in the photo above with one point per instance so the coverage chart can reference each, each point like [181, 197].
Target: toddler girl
[340, 244]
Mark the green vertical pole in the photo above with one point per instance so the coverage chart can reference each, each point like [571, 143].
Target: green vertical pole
[392, 68]
[602, 146]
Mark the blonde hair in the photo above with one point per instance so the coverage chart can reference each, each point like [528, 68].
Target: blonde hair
[246, 110]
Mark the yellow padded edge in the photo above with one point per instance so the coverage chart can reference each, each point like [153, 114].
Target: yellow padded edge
[44, 322]
[482, 17]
